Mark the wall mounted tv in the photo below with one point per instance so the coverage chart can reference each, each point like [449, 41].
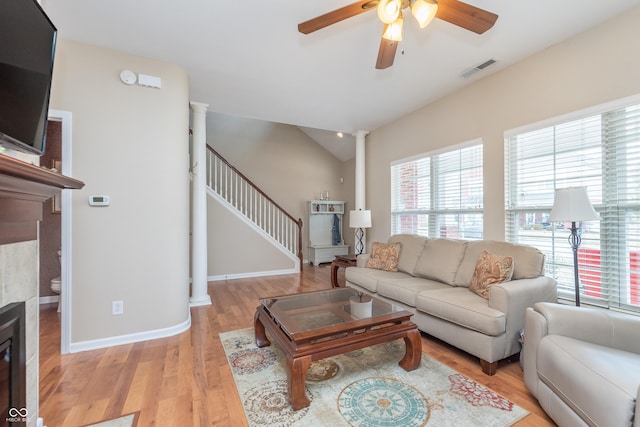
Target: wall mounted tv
[27, 47]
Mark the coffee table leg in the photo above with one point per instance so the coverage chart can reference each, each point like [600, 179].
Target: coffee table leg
[413, 353]
[297, 373]
[258, 328]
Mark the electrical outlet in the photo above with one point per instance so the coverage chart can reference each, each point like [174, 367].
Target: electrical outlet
[117, 307]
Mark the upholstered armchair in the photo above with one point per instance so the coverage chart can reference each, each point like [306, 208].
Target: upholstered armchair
[583, 364]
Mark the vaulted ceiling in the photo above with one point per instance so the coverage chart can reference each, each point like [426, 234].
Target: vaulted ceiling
[248, 59]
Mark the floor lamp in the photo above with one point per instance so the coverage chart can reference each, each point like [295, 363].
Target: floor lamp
[572, 204]
[359, 219]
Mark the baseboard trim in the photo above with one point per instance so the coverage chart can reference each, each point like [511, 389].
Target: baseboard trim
[222, 277]
[49, 299]
[131, 338]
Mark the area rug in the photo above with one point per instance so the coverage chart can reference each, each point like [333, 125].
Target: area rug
[129, 420]
[361, 388]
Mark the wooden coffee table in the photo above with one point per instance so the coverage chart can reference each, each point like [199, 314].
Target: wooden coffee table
[315, 325]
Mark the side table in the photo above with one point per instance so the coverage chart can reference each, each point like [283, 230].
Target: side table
[343, 261]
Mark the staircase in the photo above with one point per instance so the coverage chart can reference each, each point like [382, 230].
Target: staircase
[250, 201]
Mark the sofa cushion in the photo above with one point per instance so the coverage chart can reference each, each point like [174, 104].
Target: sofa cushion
[368, 277]
[412, 247]
[464, 308]
[384, 256]
[405, 290]
[491, 269]
[599, 383]
[528, 262]
[440, 259]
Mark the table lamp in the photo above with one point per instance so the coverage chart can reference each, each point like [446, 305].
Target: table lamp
[359, 219]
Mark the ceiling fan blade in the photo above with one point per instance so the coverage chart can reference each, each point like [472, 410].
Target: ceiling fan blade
[386, 53]
[337, 15]
[466, 16]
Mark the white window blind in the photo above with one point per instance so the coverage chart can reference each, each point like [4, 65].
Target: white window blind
[439, 194]
[601, 152]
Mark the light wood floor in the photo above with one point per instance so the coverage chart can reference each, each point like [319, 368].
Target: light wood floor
[185, 380]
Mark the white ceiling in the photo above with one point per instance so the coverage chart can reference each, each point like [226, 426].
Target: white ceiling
[247, 58]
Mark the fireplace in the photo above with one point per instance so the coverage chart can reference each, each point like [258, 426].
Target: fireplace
[23, 189]
[13, 409]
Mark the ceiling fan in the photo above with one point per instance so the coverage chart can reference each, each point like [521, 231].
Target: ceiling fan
[390, 13]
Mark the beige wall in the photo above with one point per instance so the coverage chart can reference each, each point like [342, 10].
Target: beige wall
[286, 164]
[130, 143]
[236, 249]
[598, 66]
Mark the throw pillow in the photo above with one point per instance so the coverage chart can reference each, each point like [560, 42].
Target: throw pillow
[384, 256]
[491, 269]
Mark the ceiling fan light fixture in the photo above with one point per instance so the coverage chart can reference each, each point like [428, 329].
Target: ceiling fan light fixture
[389, 10]
[424, 11]
[394, 30]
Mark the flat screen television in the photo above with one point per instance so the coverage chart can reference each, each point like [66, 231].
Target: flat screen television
[27, 48]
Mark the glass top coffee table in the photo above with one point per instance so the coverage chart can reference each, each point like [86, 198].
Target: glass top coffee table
[314, 325]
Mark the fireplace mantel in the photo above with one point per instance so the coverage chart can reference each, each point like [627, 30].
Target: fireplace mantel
[23, 189]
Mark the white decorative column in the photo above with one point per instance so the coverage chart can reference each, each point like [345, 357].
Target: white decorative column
[360, 178]
[199, 274]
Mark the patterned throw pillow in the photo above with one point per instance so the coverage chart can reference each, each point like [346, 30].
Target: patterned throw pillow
[490, 270]
[384, 256]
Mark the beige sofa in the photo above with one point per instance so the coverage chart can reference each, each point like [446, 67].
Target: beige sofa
[583, 364]
[432, 282]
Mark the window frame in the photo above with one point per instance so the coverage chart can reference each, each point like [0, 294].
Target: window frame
[436, 218]
[615, 255]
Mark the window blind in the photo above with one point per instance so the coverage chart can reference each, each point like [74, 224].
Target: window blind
[439, 194]
[601, 152]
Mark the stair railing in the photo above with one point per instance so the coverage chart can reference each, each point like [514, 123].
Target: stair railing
[238, 190]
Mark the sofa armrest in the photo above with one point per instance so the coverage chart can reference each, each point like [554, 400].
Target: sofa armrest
[513, 298]
[593, 325]
[362, 260]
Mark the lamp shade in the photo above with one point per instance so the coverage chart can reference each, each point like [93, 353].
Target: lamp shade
[572, 204]
[389, 10]
[360, 219]
[424, 11]
[394, 30]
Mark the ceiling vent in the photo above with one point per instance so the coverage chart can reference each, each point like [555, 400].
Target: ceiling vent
[477, 68]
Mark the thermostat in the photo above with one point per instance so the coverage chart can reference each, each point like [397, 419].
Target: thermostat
[99, 200]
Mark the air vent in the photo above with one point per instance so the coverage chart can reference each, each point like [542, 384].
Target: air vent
[477, 68]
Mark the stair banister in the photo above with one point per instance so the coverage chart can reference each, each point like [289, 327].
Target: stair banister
[245, 196]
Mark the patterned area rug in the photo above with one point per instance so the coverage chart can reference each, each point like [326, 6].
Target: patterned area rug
[130, 420]
[361, 388]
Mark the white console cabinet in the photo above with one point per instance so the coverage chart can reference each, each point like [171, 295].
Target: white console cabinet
[324, 215]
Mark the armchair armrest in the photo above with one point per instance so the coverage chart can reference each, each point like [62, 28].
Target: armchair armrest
[593, 325]
[513, 298]
[535, 328]
[636, 419]
[596, 326]
[362, 260]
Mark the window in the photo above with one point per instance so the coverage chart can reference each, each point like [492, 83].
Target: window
[439, 194]
[599, 150]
